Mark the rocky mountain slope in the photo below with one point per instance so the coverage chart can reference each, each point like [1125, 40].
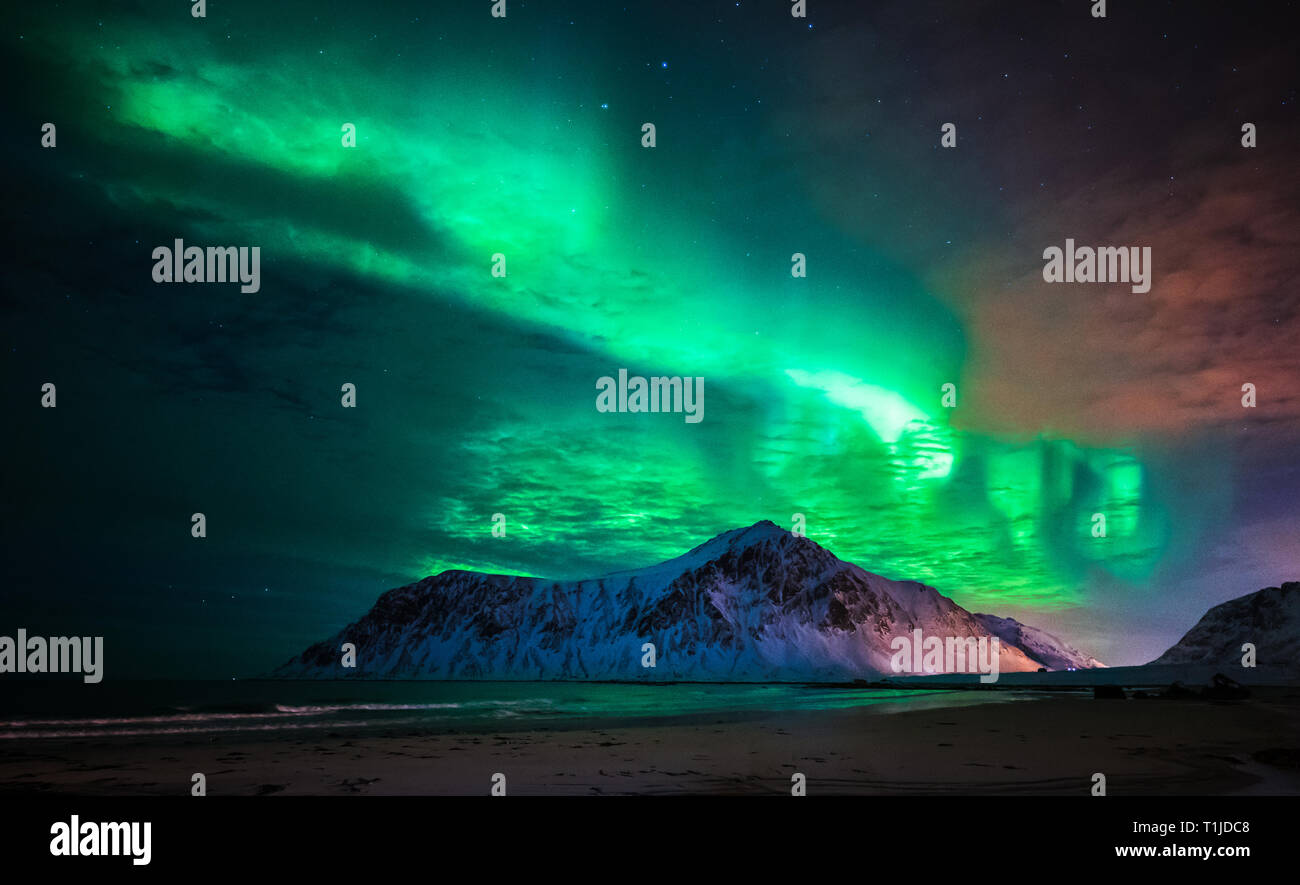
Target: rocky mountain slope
[1051, 652]
[756, 603]
[1268, 618]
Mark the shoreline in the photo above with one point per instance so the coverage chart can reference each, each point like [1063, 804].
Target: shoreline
[1033, 746]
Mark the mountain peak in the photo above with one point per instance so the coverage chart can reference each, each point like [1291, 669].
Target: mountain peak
[759, 531]
[763, 531]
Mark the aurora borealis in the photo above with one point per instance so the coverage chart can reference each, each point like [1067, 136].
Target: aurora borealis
[522, 136]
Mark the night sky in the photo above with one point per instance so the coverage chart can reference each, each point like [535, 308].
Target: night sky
[476, 394]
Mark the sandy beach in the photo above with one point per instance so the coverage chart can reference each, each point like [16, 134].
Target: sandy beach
[1045, 745]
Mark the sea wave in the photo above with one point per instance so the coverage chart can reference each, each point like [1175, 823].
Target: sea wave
[279, 716]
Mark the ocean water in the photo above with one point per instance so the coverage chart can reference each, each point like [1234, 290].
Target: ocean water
[34, 710]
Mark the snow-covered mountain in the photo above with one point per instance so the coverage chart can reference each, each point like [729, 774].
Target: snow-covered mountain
[1268, 618]
[756, 603]
[1053, 653]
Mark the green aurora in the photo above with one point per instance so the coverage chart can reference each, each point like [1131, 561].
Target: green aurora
[476, 393]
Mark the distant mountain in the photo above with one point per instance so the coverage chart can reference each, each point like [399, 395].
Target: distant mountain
[1038, 644]
[1268, 618]
[756, 603]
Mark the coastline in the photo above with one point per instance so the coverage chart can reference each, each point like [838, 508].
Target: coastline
[1041, 745]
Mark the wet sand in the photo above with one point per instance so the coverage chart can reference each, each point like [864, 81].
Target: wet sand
[1049, 745]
